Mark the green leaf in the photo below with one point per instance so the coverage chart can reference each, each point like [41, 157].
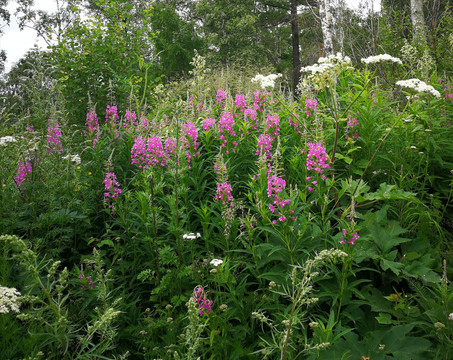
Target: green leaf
[347, 159]
[384, 318]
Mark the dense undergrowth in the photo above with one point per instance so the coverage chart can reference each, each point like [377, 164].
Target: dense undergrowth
[229, 221]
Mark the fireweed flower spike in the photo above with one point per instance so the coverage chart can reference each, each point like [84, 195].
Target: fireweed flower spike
[112, 190]
[204, 304]
[53, 137]
[93, 127]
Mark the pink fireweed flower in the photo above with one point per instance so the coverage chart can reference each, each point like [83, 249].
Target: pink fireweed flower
[86, 281]
[112, 190]
[225, 129]
[260, 100]
[155, 153]
[93, 127]
[226, 124]
[130, 121]
[148, 153]
[273, 124]
[295, 123]
[53, 137]
[250, 116]
[310, 106]
[221, 96]
[350, 129]
[111, 118]
[204, 304]
[317, 157]
[223, 194]
[190, 141]
[208, 124]
[275, 186]
[264, 145]
[22, 172]
[240, 102]
[190, 131]
[170, 147]
[354, 236]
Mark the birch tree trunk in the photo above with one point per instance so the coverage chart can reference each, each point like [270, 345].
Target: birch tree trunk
[295, 46]
[418, 23]
[326, 26]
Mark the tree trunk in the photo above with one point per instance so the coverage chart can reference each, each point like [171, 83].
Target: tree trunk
[418, 23]
[326, 26]
[295, 46]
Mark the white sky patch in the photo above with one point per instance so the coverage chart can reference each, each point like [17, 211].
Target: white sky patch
[16, 42]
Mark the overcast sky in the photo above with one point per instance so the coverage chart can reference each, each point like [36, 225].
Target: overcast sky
[16, 42]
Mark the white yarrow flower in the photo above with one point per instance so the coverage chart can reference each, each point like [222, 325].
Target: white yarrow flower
[266, 81]
[9, 300]
[450, 317]
[379, 58]
[216, 262]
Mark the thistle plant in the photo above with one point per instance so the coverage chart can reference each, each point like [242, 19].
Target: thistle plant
[47, 296]
[298, 291]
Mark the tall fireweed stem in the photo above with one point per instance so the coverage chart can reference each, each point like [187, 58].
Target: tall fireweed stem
[398, 120]
[154, 244]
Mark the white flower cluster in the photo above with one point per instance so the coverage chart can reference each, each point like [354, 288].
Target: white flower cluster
[335, 59]
[327, 63]
[9, 300]
[266, 81]
[379, 58]
[216, 262]
[7, 139]
[419, 86]
[450, 317]
[74, 158]
[191, 236]
[317, 68]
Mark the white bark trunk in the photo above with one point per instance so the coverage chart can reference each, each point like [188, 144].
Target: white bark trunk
[326, 26]
[418, 22]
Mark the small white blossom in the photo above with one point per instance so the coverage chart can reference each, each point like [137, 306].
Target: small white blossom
[419, 86]
[450, 317]
[191, 236]
[7, 139]
[9, 300]
[216, 262]
[413, 147]
[266, 81]
[74, 158]
[379, 58]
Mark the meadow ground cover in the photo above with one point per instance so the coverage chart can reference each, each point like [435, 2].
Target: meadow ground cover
[229, 221]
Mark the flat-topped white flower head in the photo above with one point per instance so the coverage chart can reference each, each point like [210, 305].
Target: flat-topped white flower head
[9, 300]
[379, 58]
[419, 86]
[266, 81]
[191, 236]
[216, 262]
